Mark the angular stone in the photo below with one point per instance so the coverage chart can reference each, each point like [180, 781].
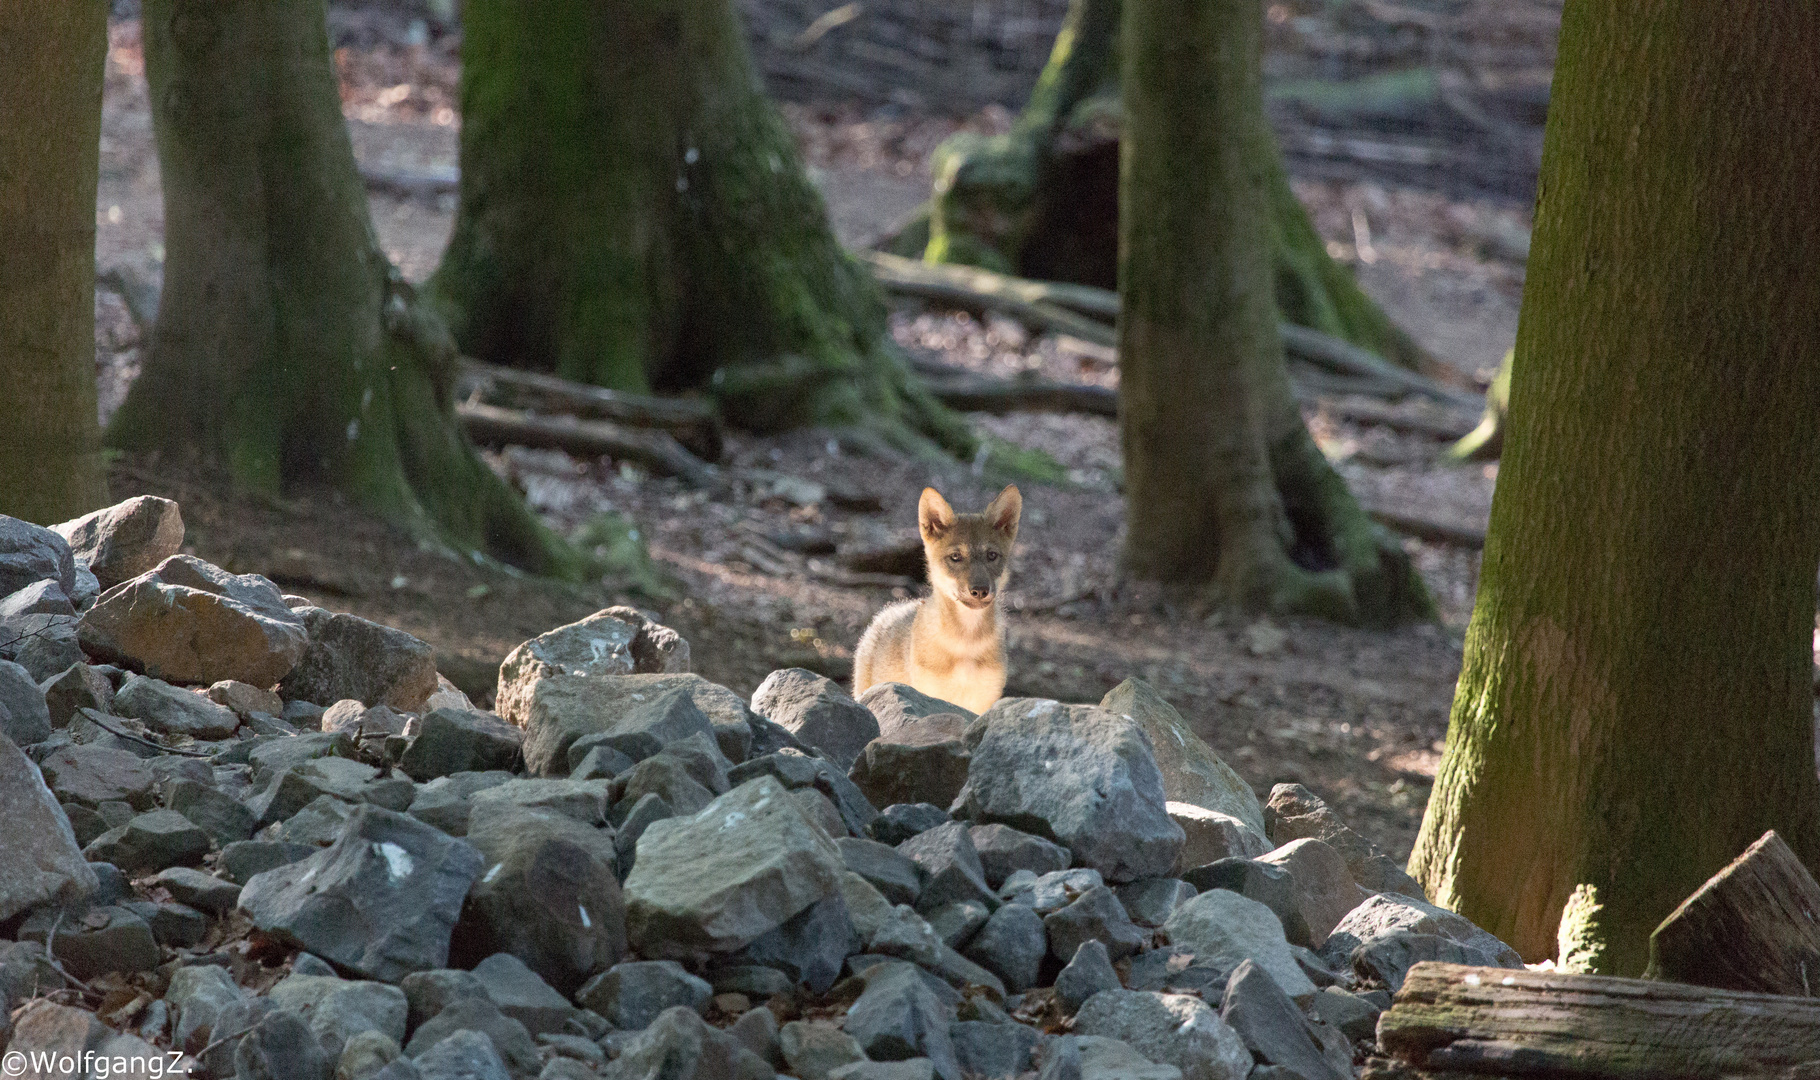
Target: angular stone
[244, 860]
[165, 708]
[365, 1054]
[616, 641]
[39, 859]
[198, 994]
[583, 800]
[797, 770]
[38, 598]
[1150, 902]
[244, 700]
[1051, 892]
[1192, 772]
[294, 788]
[1012, 946]
[951, 867]
[350, 657]
[1096, 915]
[666, 777]
[548, 895]
[897, 1017]
[125, 540]
[478, 1016]
[362, 722]
[429, 992]
[1171, 1029]
[814, 1048]
[79, 686]
[522, 994]
[462, 1055]
[1273, 1027]
[895, 706]
[25, 718]
[318, 824]
[1294, 812]
[176, 925]
[204, 892]
[679, 1045]
[380, 901]
[910, 1069]
[632, 994]
[1088, 973]
[923, 761]
[451, 741]
[1212, 836]
[715, 881]
[1268, 884]
[598, 763]
[1323, 888]
[817, 711]
[189, 622]
[338, 1009]
[639, 817]
[1004, 851]
[104, 939]
[900, 821]
[636, 714]
[151, 842]
[897, 877]
[1353, 1016]
[905, 935]
[223, 818]
[1387, 913]
[268, 757]
[1034, 758]
[31, 553]
[809, 947]
[994, 1051]
[446, 801]
[41, 644]
[282, 1047]
[1223, 926]
[956, 923]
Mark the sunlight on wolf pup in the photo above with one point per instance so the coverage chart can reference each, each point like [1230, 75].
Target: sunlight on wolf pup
[951, 645]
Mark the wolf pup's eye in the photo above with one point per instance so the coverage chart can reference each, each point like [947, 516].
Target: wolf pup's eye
[992, 556]
[954, 557]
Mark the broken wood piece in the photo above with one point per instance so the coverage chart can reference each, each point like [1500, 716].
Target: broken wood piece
[1752, 926]
[1447, 428]
[1502, 1022]
[656, 450]
[1424, 528]
[695, 422]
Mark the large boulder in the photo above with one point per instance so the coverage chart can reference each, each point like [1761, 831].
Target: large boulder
[31, 553]
[1294, 812]
[460, 740]
[637, 715]
[1323, 890]
[633, 994]
[1223, 926]
[716, 880]
[25, 716]
[896, 705]
[92, 775]
[172, 710]
[187, 621]
[150, 842]
[921, 761]
[817, 711]
[1192, 772]
[125, 540]
[1212, 836]
[39, 859]
[617, 641]
[1388, 914]
[351, 657]
[1080, 775]
[381, 901]
[1173, 1029]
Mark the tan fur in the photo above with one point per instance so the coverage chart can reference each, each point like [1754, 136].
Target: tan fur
[951, 645]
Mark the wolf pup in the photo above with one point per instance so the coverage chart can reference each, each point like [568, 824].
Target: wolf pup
[951, 645]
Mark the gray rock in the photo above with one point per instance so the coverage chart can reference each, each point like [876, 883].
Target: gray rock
[1212, 836]
[901, 821]
[956, 922]
[636, 714]
[583, 800]
[309, 964]
[39, 859]
[125, 540]
[1323, 888]
[1051, 892]
[451, 741]
[243, 860]
[598, 763]
[1172, 1029]
[338, 1009]
[796, 771]
[1226, 927]
[715, 881]
[302, 715]
[31, 553]
[1033, 758]
[1192, 772]
[1268, 884]
[38, 598]
[911, 1069]
[1274, 1029]
[461, 1055]
[809, 947]
[701, 758]
[814, 1048]
[897, 1017]
[25, 718]
[380, 901]
[756, 982]
[869, 911]
[223, 818]
[1004, 851]
[151, 842]
[104, 939]
[639, 817]
[756, 1030]
[41, 644]
[522, 994]
[632, 994]
[318, 824]
[282, 1047]
[679, 1045]
[1386, 914]
[292, 789]
[51, 1031]
[350, 657]
[244, 700]
[269, 757]
[427, 993]
[924, 761]
[1387, 958]
[92, 775]
[1095, 915]
[187, 621]
[167, 709]
[1150, 902]
[204, 892]
[79, 686]
[1353, 1016]
[994, 1051]
[1092, 1057]
[548, 894]
[905, 935]
[87, 824]
[480, 1016]
[365, 1054]
[897, 877]
[817, 711]
[1088, 973]
[575, 1047]
[616, 641]
[666, 777]
[198, 994]
[176, 925]
[447, 801]
[362, 722]
[951, 867]
[895, 706]
[1294, 812]
[1012, 946]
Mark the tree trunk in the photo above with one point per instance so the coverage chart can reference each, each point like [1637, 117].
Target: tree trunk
[1636, 700]
[633, 214]
[1042, 200]
[52, 54]
[1224, 485]
[287, 347]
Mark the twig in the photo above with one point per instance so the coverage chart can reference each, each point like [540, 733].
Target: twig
[50, 957]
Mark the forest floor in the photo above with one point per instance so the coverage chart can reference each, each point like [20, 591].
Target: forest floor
[1356, 715]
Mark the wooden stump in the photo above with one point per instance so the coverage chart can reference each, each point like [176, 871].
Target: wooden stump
[1754, 925]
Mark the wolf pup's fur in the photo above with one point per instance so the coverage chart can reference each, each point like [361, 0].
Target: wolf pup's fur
[951, 645]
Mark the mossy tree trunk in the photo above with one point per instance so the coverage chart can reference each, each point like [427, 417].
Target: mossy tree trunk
[287, 348]
[633, 213]
[1223, 484]
[52, 54]
[1636, 703]
[1042, 200]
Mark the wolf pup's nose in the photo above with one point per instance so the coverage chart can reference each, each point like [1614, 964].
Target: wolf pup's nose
[979, 592]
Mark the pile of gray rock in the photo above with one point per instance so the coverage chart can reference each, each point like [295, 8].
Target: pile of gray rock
[273, 840]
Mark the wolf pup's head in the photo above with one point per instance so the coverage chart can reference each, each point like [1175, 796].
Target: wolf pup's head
[969, 554]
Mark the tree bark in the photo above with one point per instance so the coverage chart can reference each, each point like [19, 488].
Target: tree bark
[1223, 484]
[1635, 705]
[287, 348]
[1041, 201]
[52, 57]
[633, 213]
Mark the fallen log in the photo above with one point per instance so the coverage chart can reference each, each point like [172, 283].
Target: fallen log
[1453, 1019]
[658, 451]
[1752, 926]
[413, 183]
[1423, 528]
[694, 422]
[979, 393]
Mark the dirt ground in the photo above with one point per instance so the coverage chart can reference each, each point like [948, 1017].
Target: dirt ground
[1356, 715]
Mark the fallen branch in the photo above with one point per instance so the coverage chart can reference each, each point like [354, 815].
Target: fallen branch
[693, 421]
[979, 393]
[655, 450]
[94, 718]
[1447, 428]
[1501, 1022]
[413, 183]
[1422, 528]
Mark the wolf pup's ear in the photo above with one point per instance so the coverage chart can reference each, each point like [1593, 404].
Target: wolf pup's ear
[1003, 511]
[933, 515]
